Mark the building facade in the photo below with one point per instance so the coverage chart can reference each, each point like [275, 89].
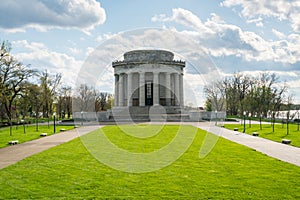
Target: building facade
[147, 78]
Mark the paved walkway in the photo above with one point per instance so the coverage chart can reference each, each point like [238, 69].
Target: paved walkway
[277, 150]
[15, 153]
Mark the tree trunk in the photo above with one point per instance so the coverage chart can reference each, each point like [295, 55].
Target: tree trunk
[10, 126]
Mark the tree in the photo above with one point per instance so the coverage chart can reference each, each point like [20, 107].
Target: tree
[49, 84]
[64, 101]
[277, 101]
[215, 93]
[84, 100]
[288, 114]
[109, 102]
[67, 94]
[13, 78]
[26, 101]
[261, 96]
[36, 102]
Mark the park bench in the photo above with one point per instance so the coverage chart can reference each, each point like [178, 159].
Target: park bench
[236, 129]
[43, 134]
[286, 141]
[13, 142]
[255, 134]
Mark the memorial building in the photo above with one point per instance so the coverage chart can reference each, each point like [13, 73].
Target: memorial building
[148, 78]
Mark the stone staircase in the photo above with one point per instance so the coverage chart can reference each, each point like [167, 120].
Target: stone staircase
[147, 113]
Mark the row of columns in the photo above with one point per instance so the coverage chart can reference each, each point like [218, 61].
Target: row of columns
[178, 89]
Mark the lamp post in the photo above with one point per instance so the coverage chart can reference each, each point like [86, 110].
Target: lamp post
[244, 113]
[54, 123]
[216, 112]
[260, 117]
[298, 120]
[81, 118]
[250, 119]
[23, 122]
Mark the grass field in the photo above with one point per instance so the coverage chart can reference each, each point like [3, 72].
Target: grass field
[30, 133]
[280, 131]
[230, 171]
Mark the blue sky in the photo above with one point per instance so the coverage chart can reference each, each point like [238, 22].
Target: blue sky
[240, 36]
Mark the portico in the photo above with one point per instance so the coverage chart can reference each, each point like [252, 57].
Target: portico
[147, 78]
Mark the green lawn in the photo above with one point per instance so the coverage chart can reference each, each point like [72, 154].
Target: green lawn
[230, 171]
[267, 131]
[30, 133]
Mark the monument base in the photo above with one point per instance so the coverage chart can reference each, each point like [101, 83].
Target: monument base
[149, 113]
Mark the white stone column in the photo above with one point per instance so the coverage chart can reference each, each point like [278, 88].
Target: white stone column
[155, 88]
[168, 89]
[116, 90]
[121, 93]
[177, 89]
[129, 89]
[181, 90]
[142, 89]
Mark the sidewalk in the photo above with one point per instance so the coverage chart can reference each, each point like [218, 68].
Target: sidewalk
[13, 154]
[277, 150]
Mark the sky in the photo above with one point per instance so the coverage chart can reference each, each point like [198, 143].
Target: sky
[250, 36]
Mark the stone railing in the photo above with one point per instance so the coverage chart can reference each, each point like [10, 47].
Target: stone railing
[122, 62]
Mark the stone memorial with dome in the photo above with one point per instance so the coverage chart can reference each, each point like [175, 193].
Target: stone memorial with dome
[146, 78]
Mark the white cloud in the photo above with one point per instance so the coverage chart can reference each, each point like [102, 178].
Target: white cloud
[75, 51]
[42, 15]
[258, 22]
[280, 9]
[105, 36]
[160, 18]
[41, 58]
[219, 38]
[278, 34]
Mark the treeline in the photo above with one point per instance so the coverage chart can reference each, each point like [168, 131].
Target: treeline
[262, 96]
[88, 99]
[27, 93]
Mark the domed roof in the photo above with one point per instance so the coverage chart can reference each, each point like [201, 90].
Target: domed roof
[148, 55]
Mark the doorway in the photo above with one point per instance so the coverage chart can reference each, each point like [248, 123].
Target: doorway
[149, 93]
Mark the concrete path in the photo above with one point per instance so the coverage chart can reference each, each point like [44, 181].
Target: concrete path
[277, 150]
[15, 153]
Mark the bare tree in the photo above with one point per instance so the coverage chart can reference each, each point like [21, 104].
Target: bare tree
[84, 99]
[64, 102]
[49, 85]
[13, 78]
[216, 94]
[289, 104]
